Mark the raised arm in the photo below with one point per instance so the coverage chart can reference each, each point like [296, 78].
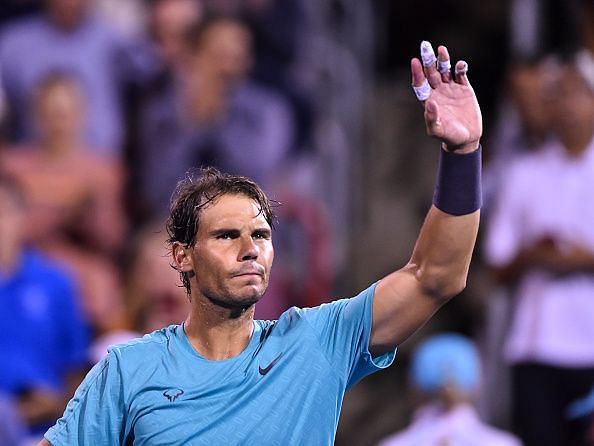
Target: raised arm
[405, 299]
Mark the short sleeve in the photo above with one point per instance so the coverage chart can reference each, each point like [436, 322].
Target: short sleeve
[96, 412]
[344, 331]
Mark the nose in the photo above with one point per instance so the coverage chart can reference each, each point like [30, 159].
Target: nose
[248, 249]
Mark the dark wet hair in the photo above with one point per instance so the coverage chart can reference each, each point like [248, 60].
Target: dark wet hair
[199, 188]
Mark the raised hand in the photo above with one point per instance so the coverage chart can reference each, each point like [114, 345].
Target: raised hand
[452, 113]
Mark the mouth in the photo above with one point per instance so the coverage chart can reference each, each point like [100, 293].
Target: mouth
[251, 271]
[248, 274]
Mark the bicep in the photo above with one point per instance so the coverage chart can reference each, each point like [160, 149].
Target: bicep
[401, 305]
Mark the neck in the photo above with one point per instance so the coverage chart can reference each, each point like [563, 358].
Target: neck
[218, 333]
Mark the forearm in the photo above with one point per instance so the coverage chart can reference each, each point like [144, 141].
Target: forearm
[443, 251]
[437, 270]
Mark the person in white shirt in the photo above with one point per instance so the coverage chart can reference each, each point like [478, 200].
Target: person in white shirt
[446, 370]
[540, 242]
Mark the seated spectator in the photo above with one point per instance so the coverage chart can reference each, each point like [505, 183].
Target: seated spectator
[76, 213]
[212, 114]
[446, 371]
[43, 336]
[67, 37]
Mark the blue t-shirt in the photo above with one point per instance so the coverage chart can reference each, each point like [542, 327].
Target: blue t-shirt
[43, 335]
[285, 388]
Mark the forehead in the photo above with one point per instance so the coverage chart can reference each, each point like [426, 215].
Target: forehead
[232, 210]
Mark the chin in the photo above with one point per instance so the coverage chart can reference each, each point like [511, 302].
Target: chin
[251, 297]
[238, 299]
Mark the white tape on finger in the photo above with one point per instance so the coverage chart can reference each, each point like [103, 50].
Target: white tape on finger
[444, 66]
[427, 54]
[423, 92]
[461, 67]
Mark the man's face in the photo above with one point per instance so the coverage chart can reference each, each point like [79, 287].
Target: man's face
[233, 253]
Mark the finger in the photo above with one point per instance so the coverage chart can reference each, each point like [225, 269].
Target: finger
[444, 65]
[429, 63]
[420, 85]
[432, 120]
[461, 70]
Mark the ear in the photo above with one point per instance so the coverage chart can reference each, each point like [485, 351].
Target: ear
[182, 258]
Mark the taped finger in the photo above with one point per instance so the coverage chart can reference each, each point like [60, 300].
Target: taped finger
[423, 91]
[427, 54]
[461, 70]
[444, 66]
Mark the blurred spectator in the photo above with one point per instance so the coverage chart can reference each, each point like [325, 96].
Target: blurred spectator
[43, 337]
[212, 114]
[446, 371]
[76, 212]
[280, 30]
[524, 119]
[541, 241]
[170, 23]
[154, 297]
[68, 38]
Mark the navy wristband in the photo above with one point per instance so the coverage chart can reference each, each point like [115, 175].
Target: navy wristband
[458, 185]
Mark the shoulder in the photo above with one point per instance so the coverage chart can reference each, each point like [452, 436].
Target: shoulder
[149, 345]
[349, 307]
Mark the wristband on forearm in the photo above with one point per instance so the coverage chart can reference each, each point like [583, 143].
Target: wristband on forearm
[458, 185]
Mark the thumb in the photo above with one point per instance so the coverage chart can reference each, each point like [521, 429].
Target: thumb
[431, 107]
[432, 120]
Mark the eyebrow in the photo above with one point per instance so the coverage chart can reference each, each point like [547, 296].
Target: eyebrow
[234, 231]
[221, 231]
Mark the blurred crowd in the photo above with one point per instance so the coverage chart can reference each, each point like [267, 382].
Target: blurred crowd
[105, 105]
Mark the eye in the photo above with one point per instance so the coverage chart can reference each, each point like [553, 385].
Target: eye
[225, 236]
[261, 235]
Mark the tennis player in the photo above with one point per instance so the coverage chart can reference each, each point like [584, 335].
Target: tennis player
[222, 377]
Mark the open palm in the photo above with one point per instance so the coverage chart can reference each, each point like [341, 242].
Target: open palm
[452, 113]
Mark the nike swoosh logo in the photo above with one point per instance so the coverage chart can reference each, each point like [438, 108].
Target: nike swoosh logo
[265, 370]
